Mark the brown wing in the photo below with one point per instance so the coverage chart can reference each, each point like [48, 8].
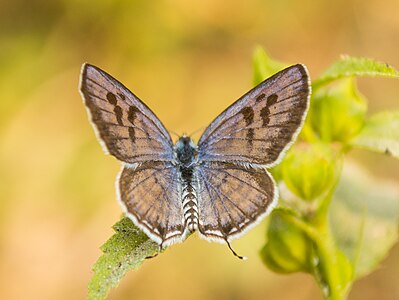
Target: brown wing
[127, 128]
[262, 124]
[149, 194]
[232, 199]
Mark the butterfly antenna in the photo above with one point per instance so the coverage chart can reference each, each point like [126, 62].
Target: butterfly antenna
[156, 254]
[235, 253]
[178, 135]
[195, 131]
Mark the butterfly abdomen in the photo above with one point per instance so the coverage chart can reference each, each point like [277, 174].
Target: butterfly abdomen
[190, 204]
[186, 153]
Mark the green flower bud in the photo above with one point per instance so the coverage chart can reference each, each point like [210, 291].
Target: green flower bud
[308, 170]
[337, 113]
[288, 249]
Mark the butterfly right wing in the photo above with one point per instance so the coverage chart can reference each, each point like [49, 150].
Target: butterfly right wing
[127, 128]
[232, 199]
[150, 195]
[236, 192]
[259, 127]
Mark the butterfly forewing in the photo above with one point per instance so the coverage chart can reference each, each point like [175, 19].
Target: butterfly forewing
[150, 195]
[232, 198]
[259, 127]
[128, 129]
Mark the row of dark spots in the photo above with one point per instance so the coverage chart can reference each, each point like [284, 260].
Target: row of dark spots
[119, 113]
[112, 98]
[248, 112]
[249, 115]
[117, 109]
[131, 116]
[251, 131]
[250, 136]
[265, 111]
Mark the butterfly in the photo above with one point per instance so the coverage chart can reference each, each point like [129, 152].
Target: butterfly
[219, 187]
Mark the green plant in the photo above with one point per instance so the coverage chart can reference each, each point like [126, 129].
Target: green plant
[334, 221]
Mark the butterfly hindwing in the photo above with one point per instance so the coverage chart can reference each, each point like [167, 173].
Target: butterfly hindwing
[232, 199]
[150, 195]
[259, 127]
[128, 129]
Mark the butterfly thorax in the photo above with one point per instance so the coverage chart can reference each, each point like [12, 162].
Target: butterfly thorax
[186, 151]
[186, 155]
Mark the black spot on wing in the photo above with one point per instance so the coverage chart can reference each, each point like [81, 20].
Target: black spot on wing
[260, 97]
[119, 114]
[121, 96]
[265, 111]
[111, 98]
[248, 114]
[132, 134]
[131, 115]
[271, 100]
[264, 114]
[250, 136]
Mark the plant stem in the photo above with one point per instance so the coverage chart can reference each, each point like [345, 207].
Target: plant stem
[327, 267]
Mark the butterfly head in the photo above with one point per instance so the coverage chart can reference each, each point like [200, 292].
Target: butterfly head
[186, 150]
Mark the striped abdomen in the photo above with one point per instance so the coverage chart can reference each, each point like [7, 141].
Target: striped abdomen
[190, 204]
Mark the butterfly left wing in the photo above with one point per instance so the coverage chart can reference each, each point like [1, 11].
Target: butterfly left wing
[148, 185]
[127, 128]
[150, 196]
[232, 199]
[259, 127]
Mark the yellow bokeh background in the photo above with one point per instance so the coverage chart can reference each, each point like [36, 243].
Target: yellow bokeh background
[188, 60]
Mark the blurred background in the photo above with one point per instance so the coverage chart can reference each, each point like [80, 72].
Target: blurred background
[188, 60]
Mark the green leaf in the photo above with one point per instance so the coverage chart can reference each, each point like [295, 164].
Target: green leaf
[364, 216]
[337, 113]
[288, 248]
[380, 134]
[309, 170]
[264, 66]
[124, 251]
[355, 66]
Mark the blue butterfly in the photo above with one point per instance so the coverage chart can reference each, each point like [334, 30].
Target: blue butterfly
[219, 187]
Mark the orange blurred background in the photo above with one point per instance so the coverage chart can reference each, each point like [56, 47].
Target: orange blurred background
[187, 60]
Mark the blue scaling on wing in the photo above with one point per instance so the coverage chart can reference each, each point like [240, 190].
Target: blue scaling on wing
[126, 127]
[259, 127]
[150, 195]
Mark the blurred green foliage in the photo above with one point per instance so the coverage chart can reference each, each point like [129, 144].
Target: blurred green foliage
[338, 112]
[333, 225]
[310, 183]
